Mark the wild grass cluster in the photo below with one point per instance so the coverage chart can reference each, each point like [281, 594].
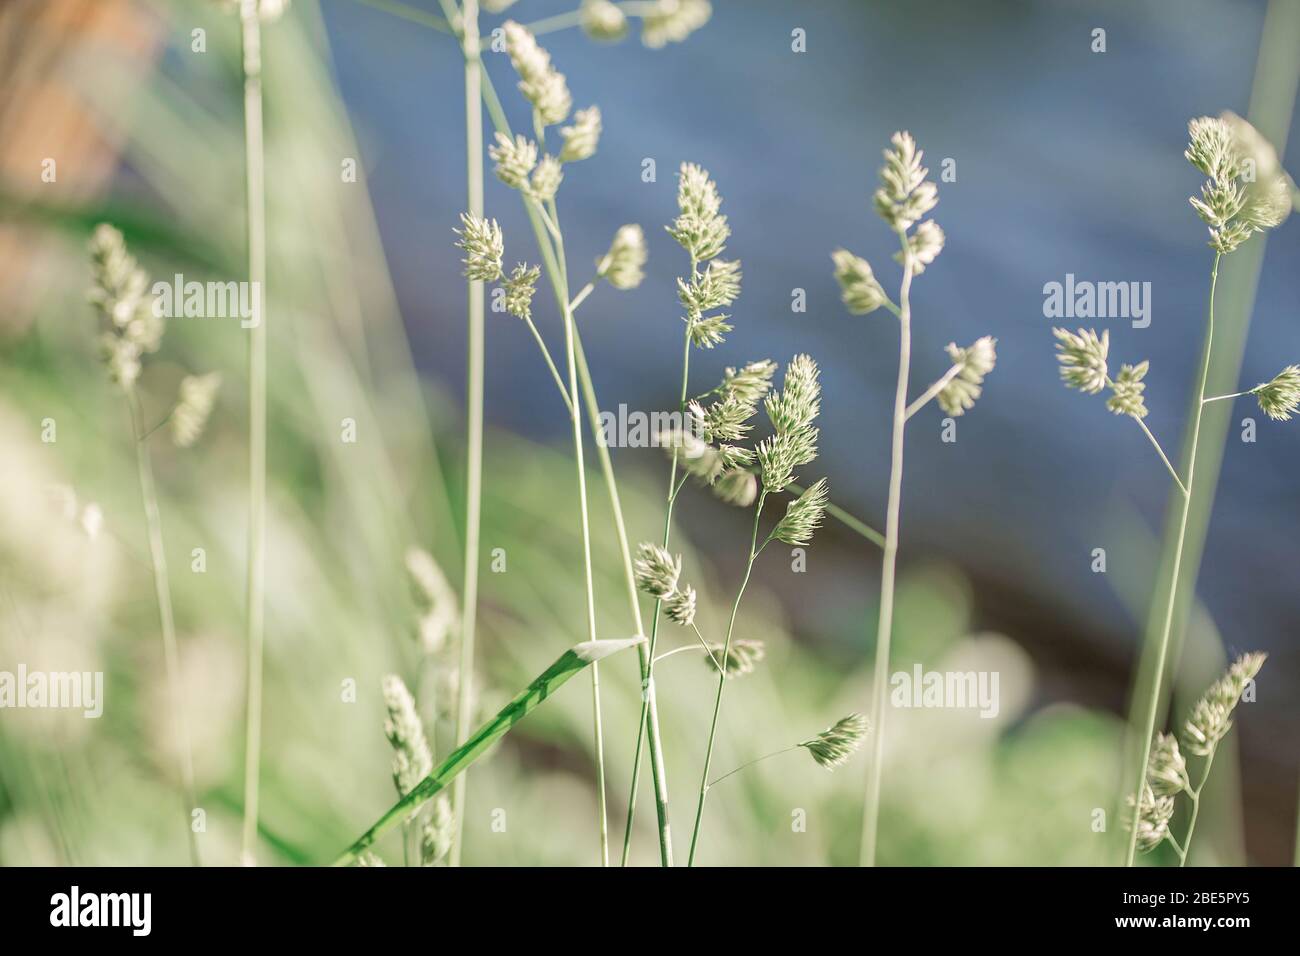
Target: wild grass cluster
[748, 443]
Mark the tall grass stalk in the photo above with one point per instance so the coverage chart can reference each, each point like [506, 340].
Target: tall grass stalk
[575, 416]
[468, 34]
[885, 621]
[538, 218]
[1245, 192]
[162, 590]
[754, 549]
[1272, 102]
[1188, 489]
[654, 621]
[256, 587]
[904, 198]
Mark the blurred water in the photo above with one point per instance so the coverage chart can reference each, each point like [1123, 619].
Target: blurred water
[1067, 161]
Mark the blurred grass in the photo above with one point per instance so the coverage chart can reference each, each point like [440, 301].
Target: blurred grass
[1021, 788]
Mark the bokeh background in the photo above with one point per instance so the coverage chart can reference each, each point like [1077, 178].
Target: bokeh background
[1068, 161]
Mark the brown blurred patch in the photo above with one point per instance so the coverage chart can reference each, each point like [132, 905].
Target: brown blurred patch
[44, 116]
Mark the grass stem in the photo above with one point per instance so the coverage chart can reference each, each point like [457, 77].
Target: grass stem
[474, 411]
[871, 803]
[673, 489]
[256, 588]
[162, 589]
[1153, 696]
[722, 679]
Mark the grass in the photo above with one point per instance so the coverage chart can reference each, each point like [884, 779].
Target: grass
[399, 496]
[904, 198]
[1245, 193]
[255, 179]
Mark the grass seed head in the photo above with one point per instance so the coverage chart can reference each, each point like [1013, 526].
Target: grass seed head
[1153, 819]
[1280, 396]
[412, 759]
[623, 266]
[603, 20]
[1083, 358]
[736, 486]
[198, 393]
[860, 291]
[120, 291]
[546, 179]
[1126, 391]
[672, 21]
[1167, 768]
[923, 245]
[581, 138]
[959, 395]
[483, 244]
[905, 195]
[680, 606]
[514, 158]
[833, 746]
[656, 570]
[802, 517]
[1211, 717]
[540, 83]
[521, 286]
[742, 657]
[1246, 191]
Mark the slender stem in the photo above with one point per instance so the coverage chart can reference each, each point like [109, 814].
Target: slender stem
[561, 21]
[550, 363]
[845, 518]
[650, 705]
[581, 297]
[1163, 457]
[474, 416]
[748, 764]
[722, 680]
[871, 803]
[673, 488]
[554, 259]
[1182, 854]
[1153, 701]
[707, 650]
[1220, 398]
[679, 650]
[162, 590]
[256, 609]
[1196, 808]
[411, 14]
[932, 391]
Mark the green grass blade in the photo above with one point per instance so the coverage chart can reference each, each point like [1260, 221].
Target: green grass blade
[572, 661]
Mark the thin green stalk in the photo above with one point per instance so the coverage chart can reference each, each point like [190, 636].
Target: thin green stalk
[649, 702]
[854, 524]
[162, 590]
[502, 125]
[474, 406]
[411, 14]
[673, 487]
[1153, 696]
[256, 610]
[576, 418]
[871, 803]
[1271, 107]
[1196, 809]
[754, 549]
[750, 763]
[1173, 472]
